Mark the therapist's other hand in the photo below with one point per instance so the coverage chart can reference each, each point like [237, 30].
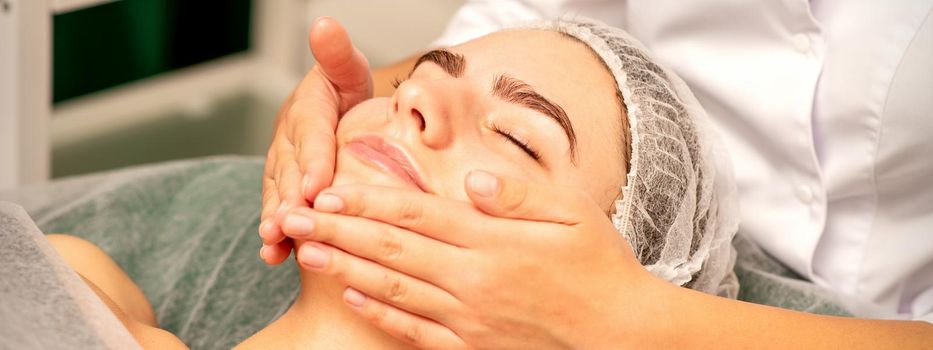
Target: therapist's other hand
[301, 157]
[526, 266]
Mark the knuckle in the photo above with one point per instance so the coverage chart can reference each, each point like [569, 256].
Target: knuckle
[354, 201]
[395, 289]
[337, 268]
[390, 247]
[326, 228]
[377, 314]
[413, 333]
[410, 213]
[336, 271]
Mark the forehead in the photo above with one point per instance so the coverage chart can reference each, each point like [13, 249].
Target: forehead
[541, 58]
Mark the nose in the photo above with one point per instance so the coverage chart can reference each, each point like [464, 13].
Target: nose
[424, 107]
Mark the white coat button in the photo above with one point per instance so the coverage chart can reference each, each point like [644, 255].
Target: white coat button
[802, 43]
[805, 194]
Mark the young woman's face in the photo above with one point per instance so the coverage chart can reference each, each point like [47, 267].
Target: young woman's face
[529, 104]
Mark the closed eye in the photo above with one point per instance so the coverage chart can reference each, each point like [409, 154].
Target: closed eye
[523, 145]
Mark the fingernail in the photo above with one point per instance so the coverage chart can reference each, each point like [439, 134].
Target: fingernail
[262, 252]
[316, 20]
[313, 257]
[483, 183]
[298, 225]
[265, 229]
[353, 297]
[327, 202]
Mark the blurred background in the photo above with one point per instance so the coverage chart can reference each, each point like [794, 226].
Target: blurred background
[91, 85]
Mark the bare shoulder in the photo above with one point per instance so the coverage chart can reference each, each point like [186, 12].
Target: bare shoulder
[115, 289]
[96, 266]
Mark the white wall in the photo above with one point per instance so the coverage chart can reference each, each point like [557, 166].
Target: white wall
[387, 31]
[25, 92]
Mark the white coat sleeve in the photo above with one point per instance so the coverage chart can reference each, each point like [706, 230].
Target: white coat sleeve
[923, 306]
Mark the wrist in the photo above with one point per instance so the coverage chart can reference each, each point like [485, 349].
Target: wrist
[644, 316]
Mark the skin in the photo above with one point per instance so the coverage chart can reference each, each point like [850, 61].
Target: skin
[118, 292]
[633, 307]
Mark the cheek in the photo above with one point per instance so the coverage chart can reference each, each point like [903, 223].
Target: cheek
[603, 184]
[462, 162]
[369, 115]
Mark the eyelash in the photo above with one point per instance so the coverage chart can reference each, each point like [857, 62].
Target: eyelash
[397, 81]
[518, 142]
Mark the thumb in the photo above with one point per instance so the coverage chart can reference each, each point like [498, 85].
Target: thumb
[512, 198]
[342, 63]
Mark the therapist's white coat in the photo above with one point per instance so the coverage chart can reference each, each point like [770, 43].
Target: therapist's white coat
[827, 109]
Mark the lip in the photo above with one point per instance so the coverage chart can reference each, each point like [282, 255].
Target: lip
[388, 157]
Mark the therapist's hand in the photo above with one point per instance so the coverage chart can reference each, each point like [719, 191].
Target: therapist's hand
[526, 266]
[301, 157]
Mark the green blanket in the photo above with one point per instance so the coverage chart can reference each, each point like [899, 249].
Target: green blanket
[186, 233]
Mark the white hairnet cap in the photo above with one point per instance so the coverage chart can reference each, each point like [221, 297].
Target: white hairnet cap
[678, 209]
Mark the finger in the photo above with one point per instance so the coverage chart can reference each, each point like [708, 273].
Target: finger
[507, 197]
[319, 163]
[398, 249]
[270, 196]
[315, 144]
[443, 219]
[287, 178]
[276, 253]
[269, 231]
[420, 332]
[342, 63]
[398, 289]
[268, 228]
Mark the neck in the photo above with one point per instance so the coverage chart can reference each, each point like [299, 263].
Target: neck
[319, 319]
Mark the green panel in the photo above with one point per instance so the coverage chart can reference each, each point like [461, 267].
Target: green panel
[236, 124]
[107, 45]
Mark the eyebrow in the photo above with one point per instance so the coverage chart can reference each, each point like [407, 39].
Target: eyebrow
[516, 91]
[452, 63]
[508, 89]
